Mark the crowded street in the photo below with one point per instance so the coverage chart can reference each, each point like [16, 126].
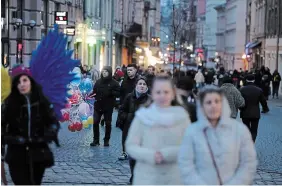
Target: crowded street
[141, 92]
[77, 163]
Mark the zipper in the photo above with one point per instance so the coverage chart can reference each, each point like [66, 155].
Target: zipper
[29, 117]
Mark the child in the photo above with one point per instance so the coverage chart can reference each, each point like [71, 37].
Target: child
[155, 136]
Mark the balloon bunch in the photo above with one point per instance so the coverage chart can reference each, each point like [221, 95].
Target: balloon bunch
[78, 113]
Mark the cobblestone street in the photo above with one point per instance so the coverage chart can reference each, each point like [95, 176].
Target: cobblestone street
[78, 163]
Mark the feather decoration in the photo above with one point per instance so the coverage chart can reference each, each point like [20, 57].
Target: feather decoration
[51, 67]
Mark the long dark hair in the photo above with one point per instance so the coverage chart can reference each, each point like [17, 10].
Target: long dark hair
[15, 99]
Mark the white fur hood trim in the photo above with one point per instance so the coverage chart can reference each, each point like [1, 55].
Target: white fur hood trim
[156, 116]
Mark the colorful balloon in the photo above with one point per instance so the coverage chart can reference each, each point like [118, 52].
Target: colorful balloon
[84, 109]
[86, 86]
[90, 120]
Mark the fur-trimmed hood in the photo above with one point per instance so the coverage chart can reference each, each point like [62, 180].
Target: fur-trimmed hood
[156, 116]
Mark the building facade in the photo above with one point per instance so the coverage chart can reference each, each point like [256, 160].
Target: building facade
[136, 29]
[25, 22]
[273, 32]
[231, 34]
[210, 27]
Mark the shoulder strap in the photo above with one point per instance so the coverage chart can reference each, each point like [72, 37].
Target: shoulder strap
[212, 156]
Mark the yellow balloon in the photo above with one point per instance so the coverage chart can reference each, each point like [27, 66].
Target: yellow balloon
[90, 120]
[84, 122]
[85, 125]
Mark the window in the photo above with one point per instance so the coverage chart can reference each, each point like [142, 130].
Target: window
[57, 7]
[3, 8]
[44, 17]
[5, 53]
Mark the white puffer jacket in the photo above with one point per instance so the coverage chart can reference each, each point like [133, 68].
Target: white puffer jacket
[232, 146]
[157, 129]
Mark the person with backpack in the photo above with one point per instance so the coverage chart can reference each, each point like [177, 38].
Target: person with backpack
[275, 83]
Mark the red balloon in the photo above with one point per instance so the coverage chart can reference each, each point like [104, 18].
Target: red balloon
[71, 128]
[78, 126]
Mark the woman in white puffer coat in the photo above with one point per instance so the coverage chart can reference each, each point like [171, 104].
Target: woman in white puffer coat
[155, 137]
[217, 150]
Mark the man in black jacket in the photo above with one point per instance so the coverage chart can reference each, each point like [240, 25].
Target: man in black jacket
[105, 92]
[128, 84]
[253, 96]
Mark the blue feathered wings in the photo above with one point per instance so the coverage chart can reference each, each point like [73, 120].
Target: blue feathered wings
[51, 65]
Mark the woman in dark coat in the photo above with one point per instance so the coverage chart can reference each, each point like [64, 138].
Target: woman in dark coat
[132, 102]
[28, 124]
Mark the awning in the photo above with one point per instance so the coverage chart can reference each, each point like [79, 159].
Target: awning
[253, 44]
[250, 46]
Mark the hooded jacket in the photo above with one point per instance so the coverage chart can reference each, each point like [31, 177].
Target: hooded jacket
[156, 129]
[231, 144]
[106, 90]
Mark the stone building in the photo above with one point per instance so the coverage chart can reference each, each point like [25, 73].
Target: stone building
[24, 22]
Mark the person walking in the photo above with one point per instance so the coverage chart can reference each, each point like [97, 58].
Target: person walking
[200, 79]
[150, 76]
[275, 83]
[105, 92]
[128, 84]
[28, 124]
[155, 136]
[131, 104]
[216, 150]
[233, 95]
[250, 113]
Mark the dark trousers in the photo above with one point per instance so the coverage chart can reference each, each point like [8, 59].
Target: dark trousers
[124, 136]
[132, 163]
[21, 173]
[252, 125]
[275, 89]
[108, 124]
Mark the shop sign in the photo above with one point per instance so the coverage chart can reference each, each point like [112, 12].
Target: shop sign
[61, 18]
[70, 31]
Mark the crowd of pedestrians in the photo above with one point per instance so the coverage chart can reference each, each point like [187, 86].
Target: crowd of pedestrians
[177, 127]
[157, 106]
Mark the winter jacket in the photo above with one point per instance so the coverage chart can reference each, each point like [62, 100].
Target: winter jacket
[28, 124]
[231, 144]
[106, 90]
[130, 105]
[234, 97]
[156, 129]
[150, 78]
[127, 86]
[253, 96]
[199, 78]
[276, 78]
